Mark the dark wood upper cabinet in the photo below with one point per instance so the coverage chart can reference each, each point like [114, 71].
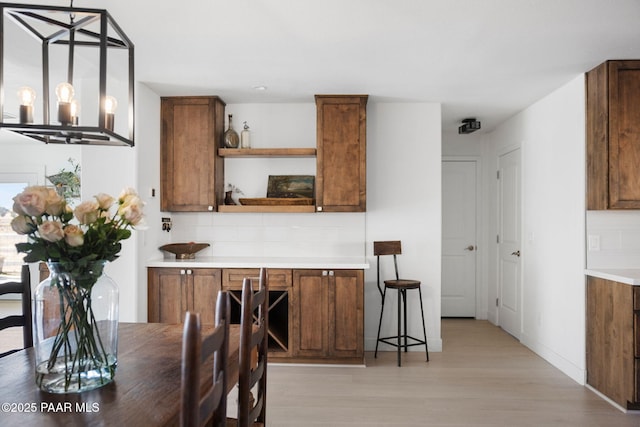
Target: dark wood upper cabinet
[191, 172]
[613, 135]
[341, 176]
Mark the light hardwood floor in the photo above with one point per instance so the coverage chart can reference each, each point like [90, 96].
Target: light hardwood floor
[483, 377]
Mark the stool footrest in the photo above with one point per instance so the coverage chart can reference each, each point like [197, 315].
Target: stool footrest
[417, 341]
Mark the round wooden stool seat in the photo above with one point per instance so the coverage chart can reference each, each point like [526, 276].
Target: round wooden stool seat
[402, 284]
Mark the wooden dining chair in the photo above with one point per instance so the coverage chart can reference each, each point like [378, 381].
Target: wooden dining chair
[210, 407]
[253, 355]
[23, 287]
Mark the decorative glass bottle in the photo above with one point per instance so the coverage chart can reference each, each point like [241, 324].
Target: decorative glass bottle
[76, 328]
[231, 138]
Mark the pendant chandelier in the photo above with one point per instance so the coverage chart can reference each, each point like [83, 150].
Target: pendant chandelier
[78, 62]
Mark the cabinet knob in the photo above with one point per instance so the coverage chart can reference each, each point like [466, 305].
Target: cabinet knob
[210, 208]
[319, 208]
[189, 272]
[183, 272]
[325, 272]
[331, 273]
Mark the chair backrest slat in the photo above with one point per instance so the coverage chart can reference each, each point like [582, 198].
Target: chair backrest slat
[196, 408]
[383, 248]
[253, 340]
[24, 320]
[392, 247]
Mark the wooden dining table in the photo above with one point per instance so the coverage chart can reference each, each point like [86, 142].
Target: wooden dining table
[145, 390]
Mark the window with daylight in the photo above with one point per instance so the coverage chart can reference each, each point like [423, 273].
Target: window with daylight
[10, 259]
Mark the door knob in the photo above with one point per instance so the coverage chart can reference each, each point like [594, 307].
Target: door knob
[469, 248]
[516, 253]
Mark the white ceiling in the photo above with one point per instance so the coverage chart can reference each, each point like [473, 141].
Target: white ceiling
[480, 58]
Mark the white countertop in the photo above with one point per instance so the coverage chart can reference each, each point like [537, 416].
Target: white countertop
[630, 276]
[257, 262]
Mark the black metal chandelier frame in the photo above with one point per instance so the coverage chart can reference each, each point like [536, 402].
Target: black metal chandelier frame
[22, 14]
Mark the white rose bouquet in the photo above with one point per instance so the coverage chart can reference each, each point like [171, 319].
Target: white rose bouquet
[46, 218]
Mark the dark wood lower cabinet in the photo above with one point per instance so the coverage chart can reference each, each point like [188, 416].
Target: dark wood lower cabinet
[613, 340]
[314, 315]
[174, 291]
[328, 315]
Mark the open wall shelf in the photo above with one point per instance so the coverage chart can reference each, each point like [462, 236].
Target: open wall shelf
[267, 152]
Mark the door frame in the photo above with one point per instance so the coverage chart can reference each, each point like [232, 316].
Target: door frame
[481, 252]
[499, 153]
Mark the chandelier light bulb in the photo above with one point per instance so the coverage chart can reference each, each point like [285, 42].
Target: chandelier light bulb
[27, 96]
[110, 104]
[64, 92]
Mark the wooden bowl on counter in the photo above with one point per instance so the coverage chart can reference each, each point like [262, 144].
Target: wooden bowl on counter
[184, 250]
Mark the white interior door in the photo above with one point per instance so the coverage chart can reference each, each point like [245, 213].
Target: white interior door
[509, 279]
[459, 238]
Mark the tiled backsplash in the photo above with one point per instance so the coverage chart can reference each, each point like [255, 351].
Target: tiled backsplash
[273, 234]
[613, 239]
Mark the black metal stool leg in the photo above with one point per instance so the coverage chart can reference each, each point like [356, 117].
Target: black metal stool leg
[375, 355]
[399, 325]
[424, 328]
[406, 331]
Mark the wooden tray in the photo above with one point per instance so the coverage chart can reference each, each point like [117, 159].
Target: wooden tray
[184, 250]
[277, 201]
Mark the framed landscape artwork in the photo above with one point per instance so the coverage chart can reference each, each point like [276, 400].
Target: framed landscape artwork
[291, 186]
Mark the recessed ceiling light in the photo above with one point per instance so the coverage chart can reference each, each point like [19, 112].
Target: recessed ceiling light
[260, 87]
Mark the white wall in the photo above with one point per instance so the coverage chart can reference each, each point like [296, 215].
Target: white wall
[551, 136]
[404, 203]
[148, 177]
[110, 170]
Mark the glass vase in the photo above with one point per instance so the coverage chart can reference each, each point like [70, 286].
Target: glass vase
[76, 328]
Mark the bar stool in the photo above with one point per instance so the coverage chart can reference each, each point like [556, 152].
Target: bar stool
[402, 286]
